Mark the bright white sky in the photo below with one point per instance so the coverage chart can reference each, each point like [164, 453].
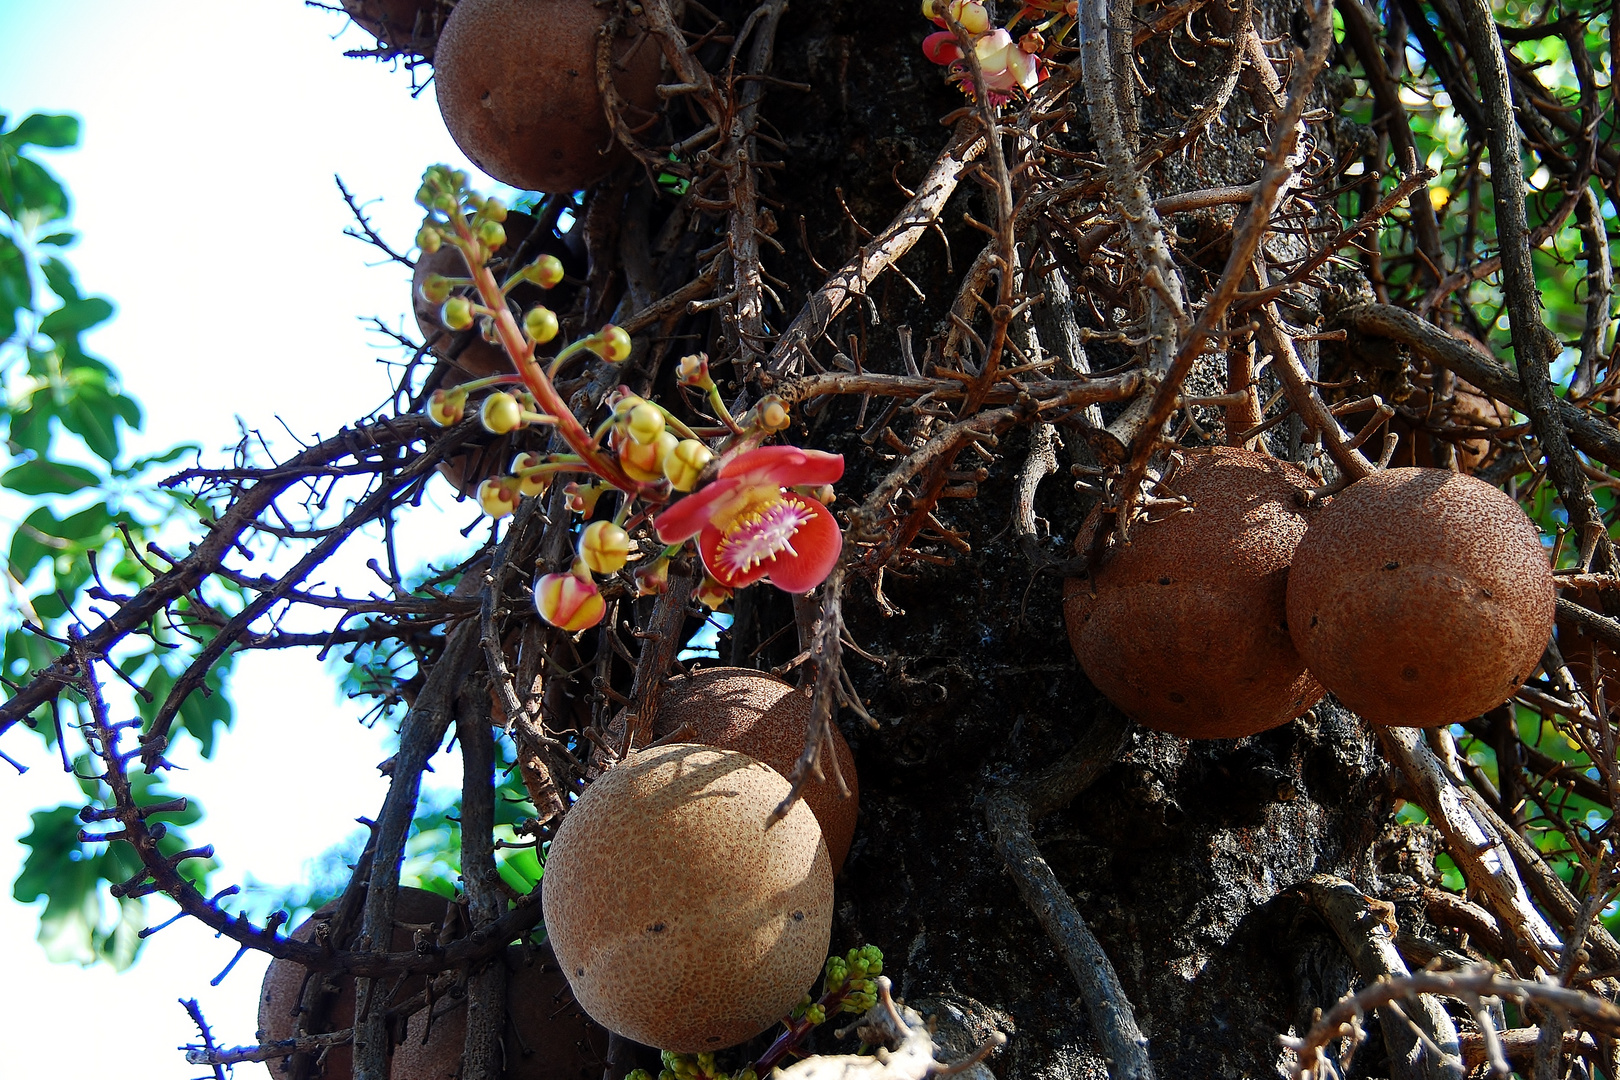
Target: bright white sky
[204, 194]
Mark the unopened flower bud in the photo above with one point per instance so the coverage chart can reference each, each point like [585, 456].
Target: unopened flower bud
[652, 578]
[694, 371]
[822, 493]
[711, 594]
[611, 344]
[582, 497]
[568, 602]
[545, 272]
[456, 313]
[424, 196]
[644, 422]
[501, 413]
[447, 407]
[435, 288]
[428, 239]
[492, 235]
[1032, 42]
[498, 496]
[645, 461]
[773, 415]
[685, 464]
[531, 482]
[540, 324]
[604, 547]
[494, 209]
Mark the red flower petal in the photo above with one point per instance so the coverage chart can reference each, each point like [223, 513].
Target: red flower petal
[691, 515]
[786, 466]
[818, 543]
[941, 47]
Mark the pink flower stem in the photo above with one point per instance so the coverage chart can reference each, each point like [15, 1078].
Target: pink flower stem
[522, 355]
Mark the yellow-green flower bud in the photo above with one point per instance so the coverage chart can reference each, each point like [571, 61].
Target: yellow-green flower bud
[428, 239]
[645, 461]
[530, 481]
[498, 496]
[495, 210]
[773, 415]
[456, 313]
[540, 324]
[546, 272]
[644, 422]
[435, 288]
[446, 407]
[611, 344]
[604, 547]
[424, 196]
[686, 463]
[501, 413]
[491, 234]
[712, 594]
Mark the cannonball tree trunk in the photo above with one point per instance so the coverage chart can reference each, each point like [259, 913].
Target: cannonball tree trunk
[1005, 315]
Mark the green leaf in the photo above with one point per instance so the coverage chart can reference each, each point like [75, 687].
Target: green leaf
[31, 426]
[59, 276]
[76, 316]
[31, 544]
[35, 189]
[16, 288]
[59, 239]
[46, 477]
[90, 416]
[45, 129]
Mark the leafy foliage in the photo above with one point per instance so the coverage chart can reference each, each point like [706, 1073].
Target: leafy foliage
[86, 514]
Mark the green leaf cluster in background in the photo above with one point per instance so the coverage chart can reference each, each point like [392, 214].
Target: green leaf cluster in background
[79, 514]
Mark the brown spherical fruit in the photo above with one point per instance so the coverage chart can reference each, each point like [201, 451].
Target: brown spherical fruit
[762, 716]
[682, 916]
[1421, 597]
[547, 1035]
[516, 85]
[1183, 628]
[405, 25]
[283, 986]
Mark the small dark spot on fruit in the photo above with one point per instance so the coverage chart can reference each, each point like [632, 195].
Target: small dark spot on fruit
[1409, 673]
[580, 972]
[798, 916]
[1313, 620]
[1392, 565]
[1164, 581]
[656, 928]
[1488, 594]
[713, 1038]
[1178, 698]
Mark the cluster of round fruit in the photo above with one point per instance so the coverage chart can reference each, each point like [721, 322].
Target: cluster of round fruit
[679, 913]
[1419, 597]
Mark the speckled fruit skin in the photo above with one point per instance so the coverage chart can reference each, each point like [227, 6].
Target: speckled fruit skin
[1183, 628]
[1421, 597]
[679, 920]
[284, 982]
[547, 1036]
[762, 716]
[516, 84]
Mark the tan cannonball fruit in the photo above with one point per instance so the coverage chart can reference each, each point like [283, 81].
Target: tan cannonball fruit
[547, 1036]
[516, 85]
[762, 716]
[1183, 628]
[1421, 597]
[679, 918]
[283, 985]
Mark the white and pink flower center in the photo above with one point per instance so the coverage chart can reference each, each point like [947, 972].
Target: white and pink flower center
[761, 533]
